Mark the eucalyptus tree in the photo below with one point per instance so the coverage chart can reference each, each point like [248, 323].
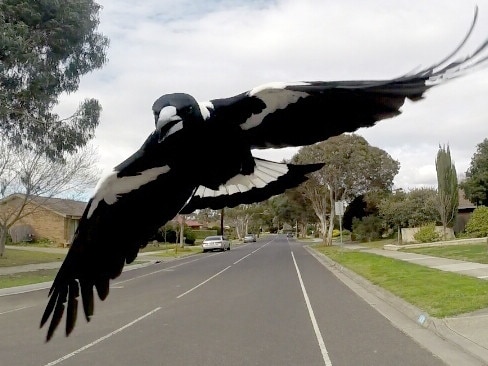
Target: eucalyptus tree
[46, 46]
[352, 167]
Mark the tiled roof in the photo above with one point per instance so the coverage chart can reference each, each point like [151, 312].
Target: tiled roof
[64, 207]
[464, 203]
[190, 223]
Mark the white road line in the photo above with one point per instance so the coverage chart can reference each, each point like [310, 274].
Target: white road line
[202, 283]
[318, 335]
[17, 309]
[254, 251]
[158, 271]
[237, 261]
[69, 355]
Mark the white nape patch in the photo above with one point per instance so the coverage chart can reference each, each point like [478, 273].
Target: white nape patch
[275, 97]
[274, 85]
[167, 114]
[204, 109]
[265, 172]
[110, 188]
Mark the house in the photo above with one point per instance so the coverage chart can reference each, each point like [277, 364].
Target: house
[192, 224]
[465, 209]
[55, 219]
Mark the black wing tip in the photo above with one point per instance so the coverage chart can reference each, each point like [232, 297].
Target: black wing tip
[63, 297]
[454, 64]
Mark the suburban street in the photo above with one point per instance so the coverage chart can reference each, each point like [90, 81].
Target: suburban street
[264, 303]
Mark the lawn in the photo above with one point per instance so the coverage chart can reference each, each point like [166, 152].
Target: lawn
[14, 257]
[438, 293]
[468, 252]
[27, 278]
[171, 251]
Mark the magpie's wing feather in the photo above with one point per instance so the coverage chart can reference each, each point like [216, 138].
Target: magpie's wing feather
[302, 113]
[90, 263]
[129, 205]
[268, 179]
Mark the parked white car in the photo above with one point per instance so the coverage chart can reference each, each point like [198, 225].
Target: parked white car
[215, 242]
[250, 238]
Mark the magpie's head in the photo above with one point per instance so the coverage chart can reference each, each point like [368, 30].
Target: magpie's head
[175, 112]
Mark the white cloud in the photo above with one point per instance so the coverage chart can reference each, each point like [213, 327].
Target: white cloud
[221, 48]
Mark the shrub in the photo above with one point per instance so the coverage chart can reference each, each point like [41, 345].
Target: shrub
[477, 225]
[189, 236]
[202, 234]
[427, 234]
[366, 229]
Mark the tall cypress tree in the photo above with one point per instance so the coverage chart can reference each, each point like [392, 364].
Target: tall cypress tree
[447, 187]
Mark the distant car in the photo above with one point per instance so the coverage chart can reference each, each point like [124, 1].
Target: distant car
[215, 242]
[289, 235]
[249, 238]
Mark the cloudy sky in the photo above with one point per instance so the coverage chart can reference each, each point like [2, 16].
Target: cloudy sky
[219, 48]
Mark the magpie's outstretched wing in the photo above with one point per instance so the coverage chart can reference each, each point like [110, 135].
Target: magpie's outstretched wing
[268, 179]
[126, 209]
[302, 113]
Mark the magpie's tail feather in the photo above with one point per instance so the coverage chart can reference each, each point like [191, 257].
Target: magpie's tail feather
[268, 179]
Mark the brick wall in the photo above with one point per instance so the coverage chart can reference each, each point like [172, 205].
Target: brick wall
[45, 223]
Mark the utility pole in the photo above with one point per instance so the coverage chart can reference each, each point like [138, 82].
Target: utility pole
[222, 221]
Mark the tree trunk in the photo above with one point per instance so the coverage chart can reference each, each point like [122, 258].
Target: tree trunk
[3, 240]
[331, 217]
[182, 231]
[323, 229]
[222, 221]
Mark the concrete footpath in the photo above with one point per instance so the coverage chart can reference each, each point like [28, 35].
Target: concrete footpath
[468, 331]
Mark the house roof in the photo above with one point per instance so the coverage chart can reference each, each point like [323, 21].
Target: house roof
[464, 203]
[190, 223]
[62, 206]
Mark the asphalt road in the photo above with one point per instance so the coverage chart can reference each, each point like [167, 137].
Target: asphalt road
[265, 303]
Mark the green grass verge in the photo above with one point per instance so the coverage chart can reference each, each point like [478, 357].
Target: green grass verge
[171, 251]
[468, 252]
[162, 248]
[13, 257]
[27, 278]
[438, 293]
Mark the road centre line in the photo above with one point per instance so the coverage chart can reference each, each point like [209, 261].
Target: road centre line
[254, 251]
[202, 283]
[220, 272]
[69, 355]
[318, 335]
[237, 261]
[89, 345]
[155, 272]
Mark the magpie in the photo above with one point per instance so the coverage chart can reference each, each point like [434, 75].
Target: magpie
[159, 180]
